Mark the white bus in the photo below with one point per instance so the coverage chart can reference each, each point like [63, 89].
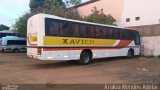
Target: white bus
[13, 43]
[5, 33]
[55, 38]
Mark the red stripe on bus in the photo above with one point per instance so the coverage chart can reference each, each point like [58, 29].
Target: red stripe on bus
[124, 43]
[57, 49]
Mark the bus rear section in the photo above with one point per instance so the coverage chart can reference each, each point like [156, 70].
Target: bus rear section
[34, 27]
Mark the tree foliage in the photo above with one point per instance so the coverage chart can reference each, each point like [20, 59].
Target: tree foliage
[98, 16]
[70, 3]
[54, 7]
[21, 24]
[3, 27]
[44, 6]
[59, 8]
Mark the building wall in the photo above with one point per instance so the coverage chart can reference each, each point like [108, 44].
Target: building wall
[113, 7]
[147, 10]
[150, 46]
[150, 39]
[148, 30]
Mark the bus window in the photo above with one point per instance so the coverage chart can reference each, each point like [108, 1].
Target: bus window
[3, 35]
[124, 35]
[117, 34]
[91, 31]
[75, 30]
[135, 37]
[16, 42]
[52, 27]
[98, 31]
[129, 35]
[64, 28]
[105, 32]
[83, 30]
[111, 33]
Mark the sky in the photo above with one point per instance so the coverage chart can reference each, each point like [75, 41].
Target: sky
[10, 10]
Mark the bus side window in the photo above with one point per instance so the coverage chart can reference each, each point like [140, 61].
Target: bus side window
[123, 34]
[117, 34]
[16, 42]
[129, 35]
[83, 30]
[64, 28]
[111, 33]
[3, 34]
[135, 37]
[105, 32]
[75, 30]
[52, 27]
[91, 31]
[98, 30]
[0, 41]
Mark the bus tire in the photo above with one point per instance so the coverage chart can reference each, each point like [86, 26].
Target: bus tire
[130, 53]
[15, 51]
[2, 50]
[85, 58]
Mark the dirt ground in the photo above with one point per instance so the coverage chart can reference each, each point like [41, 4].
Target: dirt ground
[19, 69]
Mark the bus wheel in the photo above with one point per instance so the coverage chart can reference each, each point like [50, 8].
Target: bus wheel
[130, 53]
[85, 58]
[2, 50]
[15, 51]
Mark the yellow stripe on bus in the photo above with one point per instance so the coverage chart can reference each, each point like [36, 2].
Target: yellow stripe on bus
[70, 41]
[33, 38]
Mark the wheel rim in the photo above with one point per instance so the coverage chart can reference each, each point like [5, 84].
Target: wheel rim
[16, 51]
[129, 54]
[86, 58]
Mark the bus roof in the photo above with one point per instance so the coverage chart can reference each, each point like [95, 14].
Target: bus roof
[8, 31]
[13, 38]
[78, 21]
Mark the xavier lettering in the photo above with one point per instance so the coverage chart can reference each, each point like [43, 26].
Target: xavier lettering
[72, 42]
[77, 41]
[65, 41]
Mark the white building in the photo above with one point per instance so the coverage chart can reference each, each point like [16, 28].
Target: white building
[127, 13]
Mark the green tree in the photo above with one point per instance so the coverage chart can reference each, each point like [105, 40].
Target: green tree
[4, 27]
[21, 24]
[44, 6]
[54, 7]
[98, 16]
[72, 2]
